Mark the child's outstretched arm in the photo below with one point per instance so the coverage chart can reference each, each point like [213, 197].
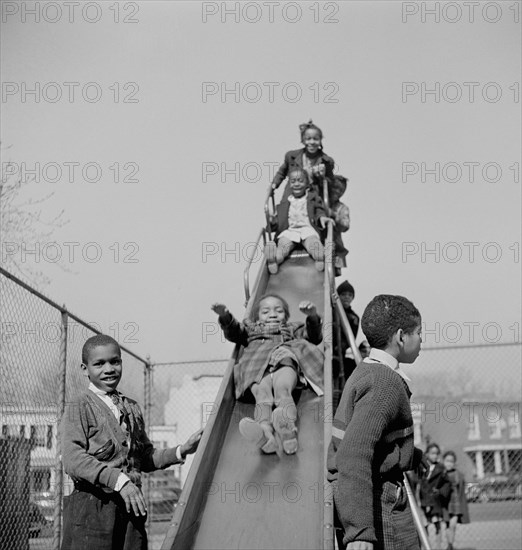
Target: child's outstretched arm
[234, 330]
[313, 322]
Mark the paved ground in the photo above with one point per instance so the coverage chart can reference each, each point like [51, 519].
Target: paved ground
[494, 526]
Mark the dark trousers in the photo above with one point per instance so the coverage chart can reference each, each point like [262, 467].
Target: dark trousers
[95, 520]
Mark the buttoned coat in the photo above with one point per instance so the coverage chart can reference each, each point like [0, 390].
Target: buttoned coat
[294, 160]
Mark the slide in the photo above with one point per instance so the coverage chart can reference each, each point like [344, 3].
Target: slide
[235, 497]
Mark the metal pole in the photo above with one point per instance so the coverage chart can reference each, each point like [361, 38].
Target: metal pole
[58, 495]
[147, 413]
[416, 515]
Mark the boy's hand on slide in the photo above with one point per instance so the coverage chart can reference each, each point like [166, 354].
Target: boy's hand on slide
[191, 445]
[133, 498]
[308, 308]
[220, 309]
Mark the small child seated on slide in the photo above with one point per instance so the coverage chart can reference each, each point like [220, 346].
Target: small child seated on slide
[300, 218]
[278, 357]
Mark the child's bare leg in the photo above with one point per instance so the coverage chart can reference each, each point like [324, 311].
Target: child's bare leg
[451, 529]
[284, 247]
[259, 430]
[285, 414]
[315, 248]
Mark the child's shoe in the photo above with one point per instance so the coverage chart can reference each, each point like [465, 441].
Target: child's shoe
[258, 434]
[286, 430]
[319, 266]
[270, 253]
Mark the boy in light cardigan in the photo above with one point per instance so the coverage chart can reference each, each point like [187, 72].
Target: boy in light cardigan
[105, 449]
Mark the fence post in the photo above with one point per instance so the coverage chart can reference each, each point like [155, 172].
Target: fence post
[147, 412]
[58, 495]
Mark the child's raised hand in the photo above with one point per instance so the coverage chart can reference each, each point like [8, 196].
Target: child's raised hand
[319, 170]
[308, 308]
[220, 309]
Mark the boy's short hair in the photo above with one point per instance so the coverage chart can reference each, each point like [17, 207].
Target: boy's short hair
[450, 453]
[432, 446]
[385, 315]
[94, 342]
[257, 306]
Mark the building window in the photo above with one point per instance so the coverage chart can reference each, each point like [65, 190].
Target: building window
[39, 436]
[514, 426]
[515, 461]
[495, 431]
[488, 459]
[474, 427]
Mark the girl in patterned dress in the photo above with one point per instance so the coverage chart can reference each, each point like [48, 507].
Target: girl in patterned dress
[278, 356]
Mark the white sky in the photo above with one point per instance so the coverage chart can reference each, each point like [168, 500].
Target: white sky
[171, 132]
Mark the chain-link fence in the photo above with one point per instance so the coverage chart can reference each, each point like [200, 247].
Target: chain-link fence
[40, 357]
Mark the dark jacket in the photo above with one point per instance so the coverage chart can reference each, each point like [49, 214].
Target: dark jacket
[293, 160]
[315, 211]
[435, 490]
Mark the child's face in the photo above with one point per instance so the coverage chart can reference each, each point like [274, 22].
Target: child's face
[298, 184]
[346, 299]
[449, 463]
[411, 345]
[433, 455]
[271, 311]
[104, 367]
[336, 192]
[312, 140]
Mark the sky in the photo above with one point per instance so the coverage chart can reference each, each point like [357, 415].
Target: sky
[175, 114]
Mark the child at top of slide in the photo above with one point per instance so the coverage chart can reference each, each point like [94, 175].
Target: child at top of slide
[311, 158]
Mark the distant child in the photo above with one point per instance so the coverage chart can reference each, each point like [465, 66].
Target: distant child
[300, 218]
[278, 357]
[458, 504]
[435, 489]
[340, 214]
[346, 294]
[311, 158]
[372, 433]
[105, 449]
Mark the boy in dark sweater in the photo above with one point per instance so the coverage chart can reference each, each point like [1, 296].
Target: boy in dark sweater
[372, 433]
[105, 449]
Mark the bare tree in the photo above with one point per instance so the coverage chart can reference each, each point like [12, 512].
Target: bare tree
[23, 226]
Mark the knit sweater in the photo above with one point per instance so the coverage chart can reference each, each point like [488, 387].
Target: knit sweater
[372, 441]
[96, 449]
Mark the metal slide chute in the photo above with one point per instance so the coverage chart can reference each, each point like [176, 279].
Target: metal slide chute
[236, 497]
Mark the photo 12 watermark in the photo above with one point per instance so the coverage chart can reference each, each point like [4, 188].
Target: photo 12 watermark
[270, 12]
[70, 92]
[72, 171]
[51, 332]
[460, 12]
[70, 12]
[460, 92]
[453, 252]
[69, 252]
[269, 92]
[469, 333]
[237, 172]
[469, 171]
